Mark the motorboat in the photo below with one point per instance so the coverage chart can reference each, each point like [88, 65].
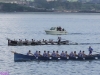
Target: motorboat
[56, 31]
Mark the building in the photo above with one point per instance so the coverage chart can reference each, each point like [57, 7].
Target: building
[16, 1]
[72, 0]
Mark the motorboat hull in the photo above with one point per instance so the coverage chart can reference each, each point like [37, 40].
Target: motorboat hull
[56, 32]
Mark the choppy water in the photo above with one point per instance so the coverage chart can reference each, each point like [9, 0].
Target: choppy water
[82, 28]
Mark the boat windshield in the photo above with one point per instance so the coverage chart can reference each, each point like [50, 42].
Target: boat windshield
[53, 28]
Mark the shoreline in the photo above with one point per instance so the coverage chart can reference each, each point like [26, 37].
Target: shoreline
[51, 12]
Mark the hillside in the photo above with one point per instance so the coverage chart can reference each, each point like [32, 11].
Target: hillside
[8, 7]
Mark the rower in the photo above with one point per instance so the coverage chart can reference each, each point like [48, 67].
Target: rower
[80, 54]
[29, 53]
[48, 55]
[62, 54]
[36, 54]
[90, 50]
[39, 55]
[44, 54]
[71, 54]
[32, 40]
[53, 54]
[75, 54]
[25, 41]
[83, 54]
[57, 54]
[20, 41]
[65, 54]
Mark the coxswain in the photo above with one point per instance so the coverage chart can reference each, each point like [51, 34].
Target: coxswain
[62, 54]
[53, 54]
[59, 40]
[29, 53]
[57, 54]
[44, 54]
[90, 50]
[80, 54]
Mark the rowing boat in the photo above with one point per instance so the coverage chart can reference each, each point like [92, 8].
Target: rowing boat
[56, 31]
[21, 57]
[32, 43]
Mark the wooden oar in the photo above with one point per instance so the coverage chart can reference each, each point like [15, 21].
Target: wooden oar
[96, 51]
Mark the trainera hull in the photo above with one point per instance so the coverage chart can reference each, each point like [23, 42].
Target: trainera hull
[21, 57]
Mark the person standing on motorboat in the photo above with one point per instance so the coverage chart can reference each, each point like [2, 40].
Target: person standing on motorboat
[90, 50]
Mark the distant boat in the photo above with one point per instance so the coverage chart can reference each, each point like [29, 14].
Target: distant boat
[56, 31]
[43, 42]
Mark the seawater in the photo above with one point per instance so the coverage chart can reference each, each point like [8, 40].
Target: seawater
[81, 28]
